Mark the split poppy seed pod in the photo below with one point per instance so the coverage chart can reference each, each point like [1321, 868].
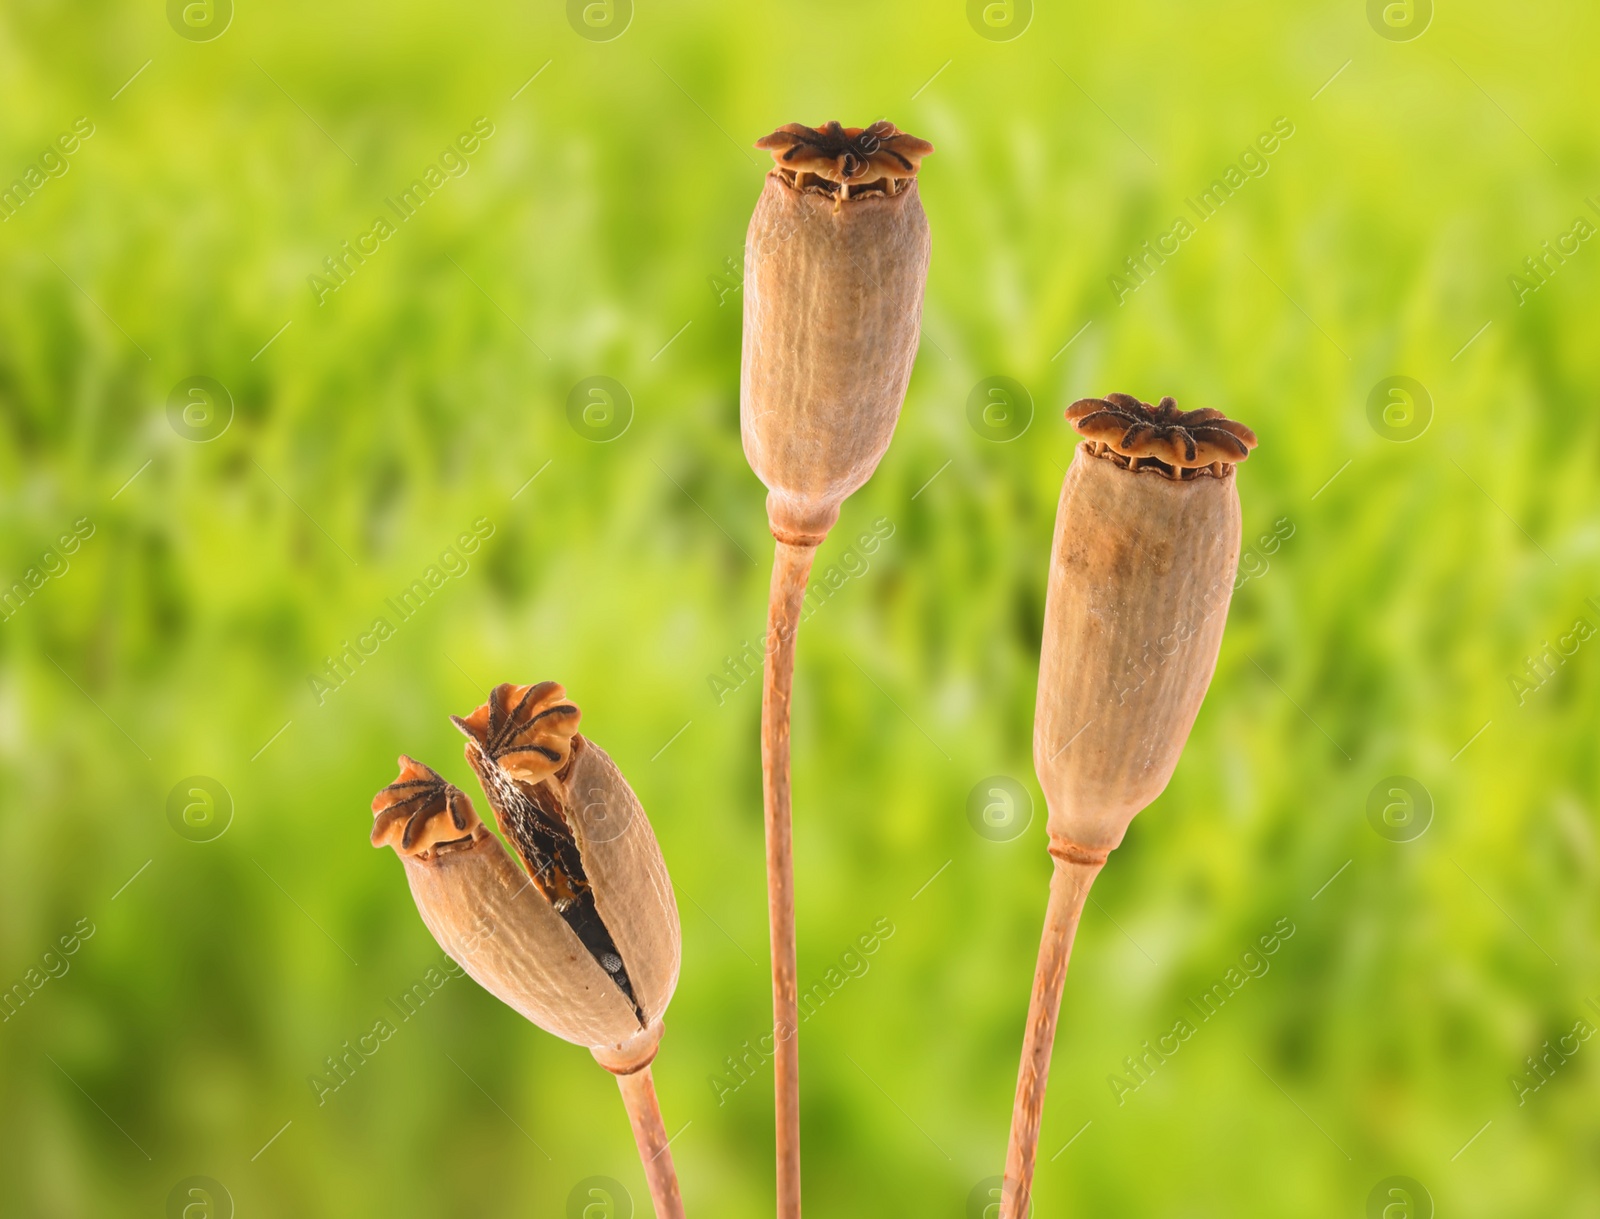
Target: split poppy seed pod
[836, 260]
[1141, 572]
[583, 938]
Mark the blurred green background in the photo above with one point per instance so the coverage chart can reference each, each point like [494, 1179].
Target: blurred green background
[598, 232]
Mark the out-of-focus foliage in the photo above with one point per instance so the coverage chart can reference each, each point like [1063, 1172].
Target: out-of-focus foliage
[597, 232]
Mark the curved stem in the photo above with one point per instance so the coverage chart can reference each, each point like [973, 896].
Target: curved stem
[790, 567]
[644, 1115]
[1069, 889]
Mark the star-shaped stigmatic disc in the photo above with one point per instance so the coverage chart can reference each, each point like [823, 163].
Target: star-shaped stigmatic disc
[420, 813]
[524, 730]
[851, 161]
[1179, 444]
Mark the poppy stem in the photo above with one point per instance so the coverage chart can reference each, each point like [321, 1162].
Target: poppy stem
[644, 1114]
[1069, 889]
[790, 566]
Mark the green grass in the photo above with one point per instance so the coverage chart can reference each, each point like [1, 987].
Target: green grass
[591, 228]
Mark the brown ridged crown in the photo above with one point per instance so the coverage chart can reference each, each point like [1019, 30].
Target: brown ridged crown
[1177, 444]
[420, 814]
[847, 161]
[526, 730]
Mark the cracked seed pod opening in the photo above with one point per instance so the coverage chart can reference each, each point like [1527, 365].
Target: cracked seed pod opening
[836, 260]
[1141, 574]
[583, 939]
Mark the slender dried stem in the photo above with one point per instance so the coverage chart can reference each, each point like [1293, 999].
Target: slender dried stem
[1069, 889]
[644, 1114]
[790, 567]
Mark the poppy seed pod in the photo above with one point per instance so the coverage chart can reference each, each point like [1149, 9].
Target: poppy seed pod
[583, 940]
[836, 259]
[1141, 572]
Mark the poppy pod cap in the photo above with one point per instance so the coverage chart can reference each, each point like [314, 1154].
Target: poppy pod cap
[582, 937]
[1141, 573]
[836, 260]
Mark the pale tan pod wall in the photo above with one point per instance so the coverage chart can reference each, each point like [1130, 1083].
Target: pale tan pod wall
[1141, 574]
[487, 916]
[832, 315]
[481, 907]
[631, 888]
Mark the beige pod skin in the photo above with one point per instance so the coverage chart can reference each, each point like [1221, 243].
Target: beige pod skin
[483, 910]
[1141, 574]
[633, 892]
[832, 315]
[836, 260]
[491, 921]
[487, 914]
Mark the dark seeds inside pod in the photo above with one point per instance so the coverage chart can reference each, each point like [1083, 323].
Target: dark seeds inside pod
[539, 830]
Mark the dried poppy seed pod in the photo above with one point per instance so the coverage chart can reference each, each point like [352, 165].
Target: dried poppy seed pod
[587, 843]
[836, 260]
[585, 941]
[1141, 572]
